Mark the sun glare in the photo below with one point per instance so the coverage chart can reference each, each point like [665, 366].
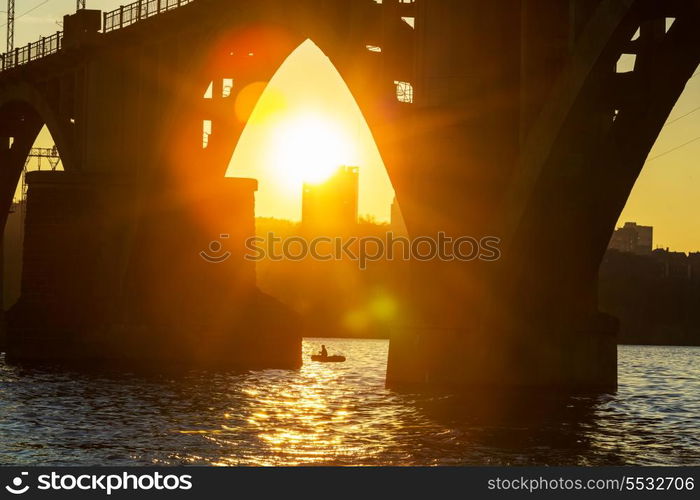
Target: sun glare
[309, 148]
[302, 127]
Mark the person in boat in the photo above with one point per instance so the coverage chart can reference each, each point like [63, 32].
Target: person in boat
[324, 351]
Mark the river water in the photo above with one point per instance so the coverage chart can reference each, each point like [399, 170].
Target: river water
[341, 414]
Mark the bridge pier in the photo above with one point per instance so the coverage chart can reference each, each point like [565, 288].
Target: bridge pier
[527, 319]
[527, 359]
[109, 276]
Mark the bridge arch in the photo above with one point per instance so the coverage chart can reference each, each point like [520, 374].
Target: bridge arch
[20, 98]
[666, 57]
[251, 45]
[23, 112]
[584, 153]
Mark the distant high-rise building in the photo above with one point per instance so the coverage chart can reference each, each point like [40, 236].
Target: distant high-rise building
[633, 238]
[397, 221]
[332, 205]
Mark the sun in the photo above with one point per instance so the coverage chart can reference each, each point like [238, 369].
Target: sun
[309, 148]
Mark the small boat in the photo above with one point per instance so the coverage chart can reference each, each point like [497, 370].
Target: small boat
[327, 359]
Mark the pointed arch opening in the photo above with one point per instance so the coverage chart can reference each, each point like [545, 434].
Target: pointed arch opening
[305, 126]
[650, 275]
[43, 155]
[320, 174]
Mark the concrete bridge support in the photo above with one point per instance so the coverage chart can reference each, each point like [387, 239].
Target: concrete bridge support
[170, 296]
[524, 132]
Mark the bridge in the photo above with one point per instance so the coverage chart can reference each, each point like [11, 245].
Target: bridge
[506, 119]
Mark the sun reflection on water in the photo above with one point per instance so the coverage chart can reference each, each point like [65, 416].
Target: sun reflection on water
[316, 417]
[306, 422]
[341, 414]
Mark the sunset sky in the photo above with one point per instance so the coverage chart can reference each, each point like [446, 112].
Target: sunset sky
[307, 104]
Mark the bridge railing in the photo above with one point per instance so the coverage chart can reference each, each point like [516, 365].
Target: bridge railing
[35, 50]
[114, 20]
[137, 11]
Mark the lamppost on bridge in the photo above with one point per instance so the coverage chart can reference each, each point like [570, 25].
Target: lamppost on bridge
[80, 4]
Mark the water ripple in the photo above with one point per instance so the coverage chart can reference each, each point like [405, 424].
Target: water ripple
[341, 414]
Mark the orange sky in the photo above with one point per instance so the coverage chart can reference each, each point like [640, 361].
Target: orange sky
[307, 89]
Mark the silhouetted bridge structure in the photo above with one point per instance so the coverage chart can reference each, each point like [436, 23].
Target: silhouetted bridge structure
[494, 118]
